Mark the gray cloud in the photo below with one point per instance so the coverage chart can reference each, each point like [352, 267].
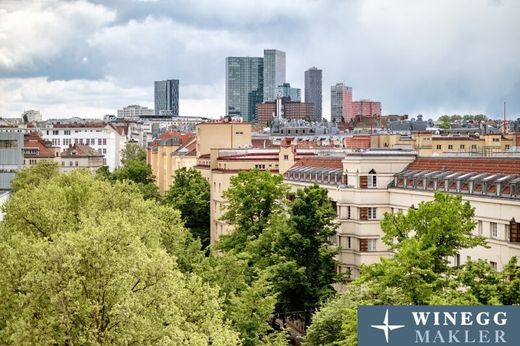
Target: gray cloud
[414, 56]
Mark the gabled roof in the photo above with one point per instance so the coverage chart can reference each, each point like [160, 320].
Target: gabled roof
[320, 162]
[171, 138]
[33, 140]
[80, 150]
[188, 149]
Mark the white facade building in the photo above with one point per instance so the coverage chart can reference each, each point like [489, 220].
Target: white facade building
[104, 138]
[134, 111]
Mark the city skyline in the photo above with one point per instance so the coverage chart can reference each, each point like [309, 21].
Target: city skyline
[91, 58]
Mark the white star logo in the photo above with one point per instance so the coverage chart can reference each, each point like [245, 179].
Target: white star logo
[385, 327]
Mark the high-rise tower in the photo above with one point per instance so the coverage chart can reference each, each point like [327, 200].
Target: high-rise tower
[167, 97]
[274, 72]
[313, 90]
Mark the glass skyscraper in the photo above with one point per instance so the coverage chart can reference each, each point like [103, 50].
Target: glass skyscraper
[244, 86]
[313, 90]
[274, 72]
[285, 90]
[167, 97]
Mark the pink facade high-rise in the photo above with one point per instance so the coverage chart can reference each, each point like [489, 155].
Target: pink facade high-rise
[341, 103]
[366, 108]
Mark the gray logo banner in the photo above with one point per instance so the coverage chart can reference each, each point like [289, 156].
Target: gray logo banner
[423, 325]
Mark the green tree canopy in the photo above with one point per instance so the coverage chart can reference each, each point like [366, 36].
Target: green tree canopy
[252, 198]
[132, 152]
[34, 175]
[89, 262]
[190, 195]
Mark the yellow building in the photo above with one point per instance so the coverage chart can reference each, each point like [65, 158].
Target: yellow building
[162, 157]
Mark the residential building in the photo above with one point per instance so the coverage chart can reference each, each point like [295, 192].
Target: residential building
[313, 91]
[35, 149]
[364, 186]
[244, 86]
[165, 158]
[4, 196]
[106, 139]
[366, 108]
[11, 157]
[340, 103]
[80, 156]
[133, 111]
[285, 90]
[274, 72]
[167, 97]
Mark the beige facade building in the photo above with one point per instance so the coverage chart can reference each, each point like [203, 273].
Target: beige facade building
[365, 186]
[35, 149]
[81, 156]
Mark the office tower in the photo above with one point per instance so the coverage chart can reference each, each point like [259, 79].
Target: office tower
[366, 108]
[285, 90]
[274, 72]
[167, 97]
[244, 86]
[340, 103]
[313, 90]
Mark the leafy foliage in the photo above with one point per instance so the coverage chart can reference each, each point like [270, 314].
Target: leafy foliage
[419, 272]
[34, 175]
[190, 195]
[132, 152]
[90, 262]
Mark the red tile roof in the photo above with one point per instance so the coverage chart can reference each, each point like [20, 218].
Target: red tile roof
[320, 161]
[478, 165]
[34, 141]
[182, 137]
[80, 150]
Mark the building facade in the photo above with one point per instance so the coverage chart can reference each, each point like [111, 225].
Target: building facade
[167, 97]
[313, 91]
[283, 108]
[285, 90]
[366, 108]
[11, 157]
[341, 103]
[244, 86]
[133, 111]
[80, 156]
[274, 72]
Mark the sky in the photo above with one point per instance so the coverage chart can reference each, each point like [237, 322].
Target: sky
[90, 58]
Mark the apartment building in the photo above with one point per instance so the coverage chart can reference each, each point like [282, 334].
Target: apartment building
[366, 185]
[35, 149]
[81, 156]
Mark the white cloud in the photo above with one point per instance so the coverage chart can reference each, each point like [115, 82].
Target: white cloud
[34, 32]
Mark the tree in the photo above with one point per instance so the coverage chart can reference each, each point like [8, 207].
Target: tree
[131, 152]
[443, 225]
[90, 262]
[140, 173]
[252, 198]
[34, 175]
[190, 194]
[304, 242]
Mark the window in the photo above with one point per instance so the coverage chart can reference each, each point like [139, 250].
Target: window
[70, 163]
[62, 163]
[462, 146]
[286, 157]
[363, 181]
[349, 243]
[457, 260]
[372, 179]
[493, 232]
[371, 244]
[260, 166]
[493, 265]
[439, 147]
[450, 146]
[473, 147]
[104, 141]
[76, 163]
[479, 228]
[104, 150]
[66, 132]
[8, 144]
[99, 141]
[348, 212]
[496, 140]
[55, 132]
[371, 213]
[507, 146]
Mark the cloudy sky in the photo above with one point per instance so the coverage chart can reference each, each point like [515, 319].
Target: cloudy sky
[89, 58]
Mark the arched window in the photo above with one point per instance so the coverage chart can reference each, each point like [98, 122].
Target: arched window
[372, 179]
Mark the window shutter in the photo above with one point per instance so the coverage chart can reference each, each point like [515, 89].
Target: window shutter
[514, 231]
[363, 245]
[363, 213]
[363, 181]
